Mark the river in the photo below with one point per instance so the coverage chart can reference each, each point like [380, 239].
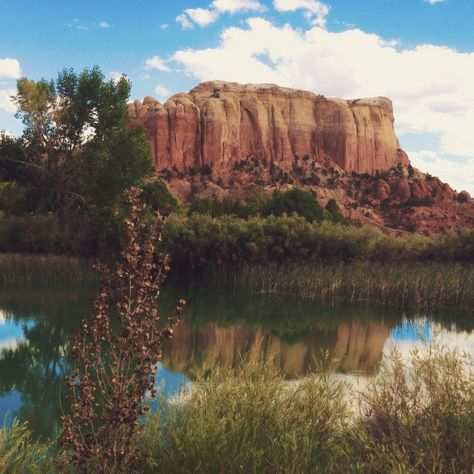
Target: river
[219, 327]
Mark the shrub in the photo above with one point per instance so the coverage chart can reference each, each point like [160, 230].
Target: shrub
[418, 417]
[249, 420]
[155, 193]
[115, 356]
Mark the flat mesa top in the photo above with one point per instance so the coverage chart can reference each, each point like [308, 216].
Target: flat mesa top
[224, 87]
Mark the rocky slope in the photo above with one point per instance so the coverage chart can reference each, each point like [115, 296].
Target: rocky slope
[220, 123]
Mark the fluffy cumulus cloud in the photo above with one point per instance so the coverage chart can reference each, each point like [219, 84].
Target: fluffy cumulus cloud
[10, 68]
[155, 62]
[314, 10]
[236, 6]
[205, 16]
[428, 84]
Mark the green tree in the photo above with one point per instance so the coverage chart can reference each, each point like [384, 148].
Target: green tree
[335, 212]
[295, 201]
[77, 148]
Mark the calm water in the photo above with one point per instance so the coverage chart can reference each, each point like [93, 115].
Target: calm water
[219, 327]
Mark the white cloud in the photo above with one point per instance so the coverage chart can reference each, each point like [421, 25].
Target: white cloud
[5, 100]
[116, 75]
[432, 2]
[162, 91]
[10, 68]
[206, 16]
[236, 6]
[164, 26]
[155, 62]
[202, 16]
[428, 84]
[104, 24]
[459, 174]
[184, 21]
[314, 10]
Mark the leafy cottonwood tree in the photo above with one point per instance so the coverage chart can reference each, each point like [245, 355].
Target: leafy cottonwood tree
[77, 149]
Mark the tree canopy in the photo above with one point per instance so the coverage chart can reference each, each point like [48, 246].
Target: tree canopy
[77, 149]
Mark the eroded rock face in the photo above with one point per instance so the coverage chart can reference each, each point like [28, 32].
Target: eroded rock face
[220, 123]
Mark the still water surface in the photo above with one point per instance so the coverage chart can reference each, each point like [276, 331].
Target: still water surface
[219, 327]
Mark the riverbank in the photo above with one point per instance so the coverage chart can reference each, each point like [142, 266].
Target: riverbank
[416, 416]
[415, 286]
[428, 286]
[21, 269]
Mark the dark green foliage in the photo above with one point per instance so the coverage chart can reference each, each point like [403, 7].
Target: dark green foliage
[11, 157]
[295, 201]
[335, 212]
[116, 163]
[419, 202]
[156, 195]
[200, 241]
[76, 148]
[75, 158]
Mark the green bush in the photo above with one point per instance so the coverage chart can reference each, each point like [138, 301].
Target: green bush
[297, 201]
[156, 194]
[418, 418]
[249, 420]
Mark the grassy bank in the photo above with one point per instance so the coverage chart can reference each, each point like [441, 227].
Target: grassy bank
[434, 287]
[18, 269]
[416, 416]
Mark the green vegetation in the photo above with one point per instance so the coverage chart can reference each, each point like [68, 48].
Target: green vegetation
[18, 269]
[20, 454]
[416, 416]
[62, 180]
[261, 203]
[201, 242]
[417, 286]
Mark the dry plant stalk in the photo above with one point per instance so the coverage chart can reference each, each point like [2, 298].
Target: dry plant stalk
[115, 355]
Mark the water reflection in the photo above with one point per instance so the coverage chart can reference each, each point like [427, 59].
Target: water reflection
[354, 347]
[219, 327]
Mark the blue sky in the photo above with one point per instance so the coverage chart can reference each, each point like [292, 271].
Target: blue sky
[419, 53]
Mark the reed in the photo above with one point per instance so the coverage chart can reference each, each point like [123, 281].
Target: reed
[435, 287]
[20, 454]
[19, 269]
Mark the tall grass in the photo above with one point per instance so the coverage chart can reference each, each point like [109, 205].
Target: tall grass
[420, 286]
[415, 416]
[19, 454]
[16, 269]
[249, 420]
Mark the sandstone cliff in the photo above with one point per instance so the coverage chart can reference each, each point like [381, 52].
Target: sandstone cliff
[220, 123]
